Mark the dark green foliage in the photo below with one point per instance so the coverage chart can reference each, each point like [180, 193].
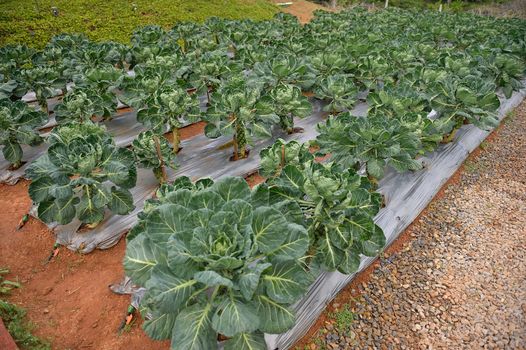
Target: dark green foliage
[218, 258]
[18, 123]
[82, 174]
[335, 201]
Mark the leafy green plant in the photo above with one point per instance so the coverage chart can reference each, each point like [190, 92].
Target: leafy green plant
[79, 106]
[508, 71]
[207, 72]
[275, 157]
[283, 70]
[154, 152]
[18, 124]
[339, 91]
[43, 81]
[101, 83]
[395, 101]
[409, 107]
[218, 259]
[285, 102]
[325, 64]
[336, 202]
[169, 106]
[82, 174]
[234, 112]
[470, 100]
[374, 142]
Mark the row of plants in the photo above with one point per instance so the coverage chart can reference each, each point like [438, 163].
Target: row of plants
[219, 258]
[338, 58]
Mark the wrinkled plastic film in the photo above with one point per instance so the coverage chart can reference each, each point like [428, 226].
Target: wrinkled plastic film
[406, 194]
[124, 128]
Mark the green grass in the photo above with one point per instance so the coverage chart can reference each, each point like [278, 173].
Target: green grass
[343, 318]
[455, 6]
[32, 22]
[14, 318]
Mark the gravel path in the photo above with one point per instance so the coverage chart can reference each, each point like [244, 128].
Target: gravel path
[460, 280]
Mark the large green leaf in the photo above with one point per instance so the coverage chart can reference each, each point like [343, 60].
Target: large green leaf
[193, 329]
[140, 259]
[212, 279]
[268, 225]
[285, 282]
[168, 291]
[12, 152]
[275, 317]
[233, 316]
[121, 201]
[39, 190]
[167, 220]
[249, 280]
[296, 244]
[232, 188]
[160, 327]
[246, 341]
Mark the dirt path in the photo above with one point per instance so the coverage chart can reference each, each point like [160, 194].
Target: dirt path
[301, 8]
[458, 281]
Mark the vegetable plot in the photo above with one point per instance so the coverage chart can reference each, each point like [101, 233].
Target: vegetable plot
[219, 258]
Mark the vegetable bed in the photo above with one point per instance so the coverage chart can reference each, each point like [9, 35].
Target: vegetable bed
[354, 121]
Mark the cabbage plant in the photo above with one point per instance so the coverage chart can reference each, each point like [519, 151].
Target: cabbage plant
[470, 100]
[43, 81]
[508, 71]
[374, 142]
[81, 175]
[339, 91]
[18, 126]
[207, 72]
[283, 70]
[218, 259]
[285, 102]
[234, 112]
[336, 202]
[154, 152]
[101, 84]
[168, 106]
[79, 106]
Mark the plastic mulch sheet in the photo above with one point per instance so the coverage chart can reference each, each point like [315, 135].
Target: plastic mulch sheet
[406, 196]
[199, 157]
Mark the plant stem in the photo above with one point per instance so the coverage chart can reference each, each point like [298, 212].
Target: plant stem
[175, 140]
[451, 136]
[240, 140]
[161, 160]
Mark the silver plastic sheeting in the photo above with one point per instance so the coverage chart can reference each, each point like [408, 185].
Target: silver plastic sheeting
[124, 127]
[199, 157]
[406, 196]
